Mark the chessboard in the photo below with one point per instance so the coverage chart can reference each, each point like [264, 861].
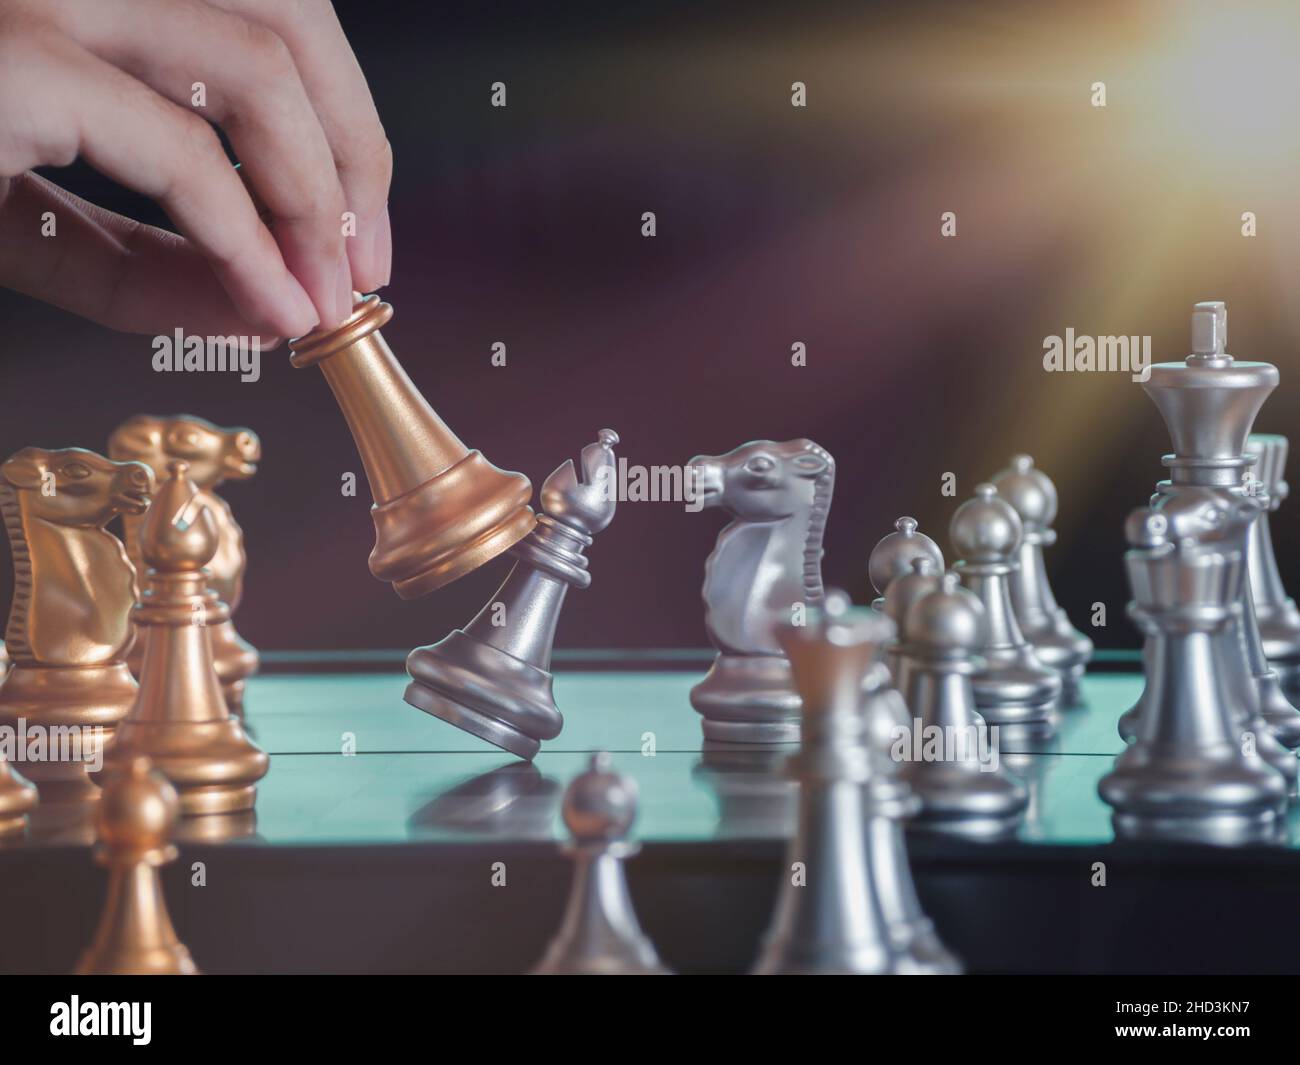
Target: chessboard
[385, 840]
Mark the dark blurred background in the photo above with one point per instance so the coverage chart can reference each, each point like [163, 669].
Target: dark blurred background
[775, 225]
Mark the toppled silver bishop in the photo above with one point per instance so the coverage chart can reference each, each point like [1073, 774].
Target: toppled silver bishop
[493, 678]
[600, 935]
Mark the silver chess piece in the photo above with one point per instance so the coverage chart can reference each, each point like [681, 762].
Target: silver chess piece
[1209, 403]
[766, 563]
[1013, 689]
[953, 762]
[1188, 774]
[847, 903]
[493, 678]
[894, 554]
[1275, 611]
[1211, 517]
[1057, 643]
[921, 578]
[600, 935]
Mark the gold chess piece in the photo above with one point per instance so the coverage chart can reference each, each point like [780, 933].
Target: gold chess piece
[69, 627]
[134, 820]
[180, 719]
[441, 510]
[17, 799]
[214, 455]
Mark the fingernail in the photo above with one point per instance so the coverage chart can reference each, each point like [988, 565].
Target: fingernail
[384, 248]
[370, 253]
[300, 317]
[343, 290]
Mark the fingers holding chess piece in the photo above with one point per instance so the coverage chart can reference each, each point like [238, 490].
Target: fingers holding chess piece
[180, 719]
[135, 819]
[766, 561]
[69, 626]
[953, 761]
[493, 678]
[1013, 689]
[441, 510]
[215, 456]
[1057, 643]
[600, 935]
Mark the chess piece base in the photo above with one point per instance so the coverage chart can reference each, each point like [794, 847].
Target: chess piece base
[961, 800]
[472, 721]
[484, 691]
[213, 765]
[217, 827]
[748, 699]
[1059, 647]
[1013, 688]
[1218, 830]
[1201, 800]
[93, 699]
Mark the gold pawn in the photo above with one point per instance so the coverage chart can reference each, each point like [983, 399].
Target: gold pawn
[180, 719]
[136, 815]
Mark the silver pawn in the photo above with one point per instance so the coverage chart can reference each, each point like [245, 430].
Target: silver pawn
[493, 679]
[963, 791]
[847, 903]
[1275, 611]
[894, 554]
[1013, 689]
[600, 935]
[1187, 776]
[1057, 643]
[904, 590]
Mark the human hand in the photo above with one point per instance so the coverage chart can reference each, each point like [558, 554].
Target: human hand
[117, 82]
